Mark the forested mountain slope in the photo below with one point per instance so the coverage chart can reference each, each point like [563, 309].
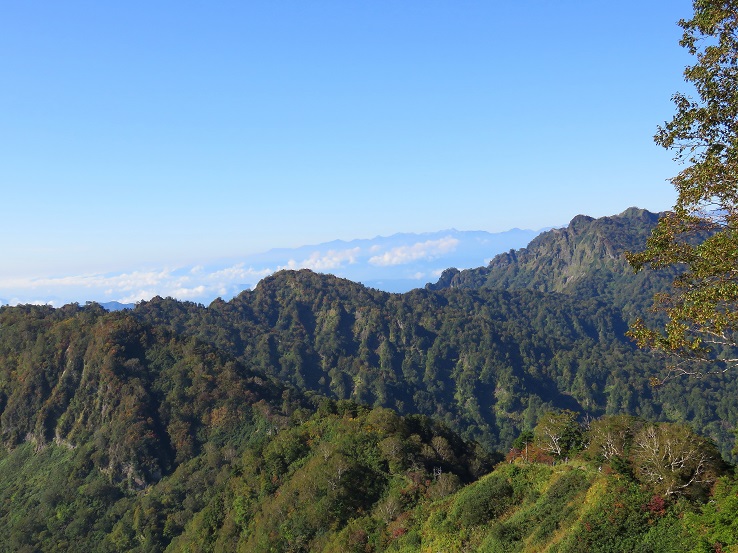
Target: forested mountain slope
[118, 436]
[584, 259]
[262, 423]
[121, 436]
[145, 398]
[488, 362]
[344, 478]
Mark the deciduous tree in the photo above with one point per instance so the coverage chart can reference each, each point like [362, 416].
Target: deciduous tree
[674, 460]
[612, 435]
[558, 433]
[700, 235]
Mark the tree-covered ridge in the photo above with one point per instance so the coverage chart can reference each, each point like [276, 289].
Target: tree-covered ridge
[585, 259]
[488, 362]
[270, 483]
[345, 478]
[146, 399]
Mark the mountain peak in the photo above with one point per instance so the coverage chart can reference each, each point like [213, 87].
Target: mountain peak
[585, 259]
[580, 220]
[638, 213]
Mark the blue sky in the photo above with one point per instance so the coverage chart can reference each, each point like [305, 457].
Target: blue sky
[137, 134]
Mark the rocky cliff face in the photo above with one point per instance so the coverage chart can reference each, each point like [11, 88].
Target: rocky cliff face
[585, 259]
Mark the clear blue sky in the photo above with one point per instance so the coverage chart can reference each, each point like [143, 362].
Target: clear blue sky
[163, 132]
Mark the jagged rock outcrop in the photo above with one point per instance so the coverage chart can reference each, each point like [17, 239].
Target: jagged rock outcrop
[585, 259]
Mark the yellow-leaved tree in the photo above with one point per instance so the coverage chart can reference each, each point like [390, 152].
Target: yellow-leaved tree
[700, 235]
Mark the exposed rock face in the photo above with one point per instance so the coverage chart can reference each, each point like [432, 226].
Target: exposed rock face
[585, 259]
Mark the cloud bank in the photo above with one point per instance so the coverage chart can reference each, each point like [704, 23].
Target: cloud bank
[396, 264]
[431, 249]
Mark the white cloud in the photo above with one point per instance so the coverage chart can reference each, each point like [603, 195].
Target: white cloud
[413, 258]
[420, 250]
[125, 281]
[328, 261]
[16, 301]
[134, 286]
[141, 295]
[238, 273]
[188, 293]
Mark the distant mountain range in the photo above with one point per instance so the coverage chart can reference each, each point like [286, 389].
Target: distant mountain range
[396, 263]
